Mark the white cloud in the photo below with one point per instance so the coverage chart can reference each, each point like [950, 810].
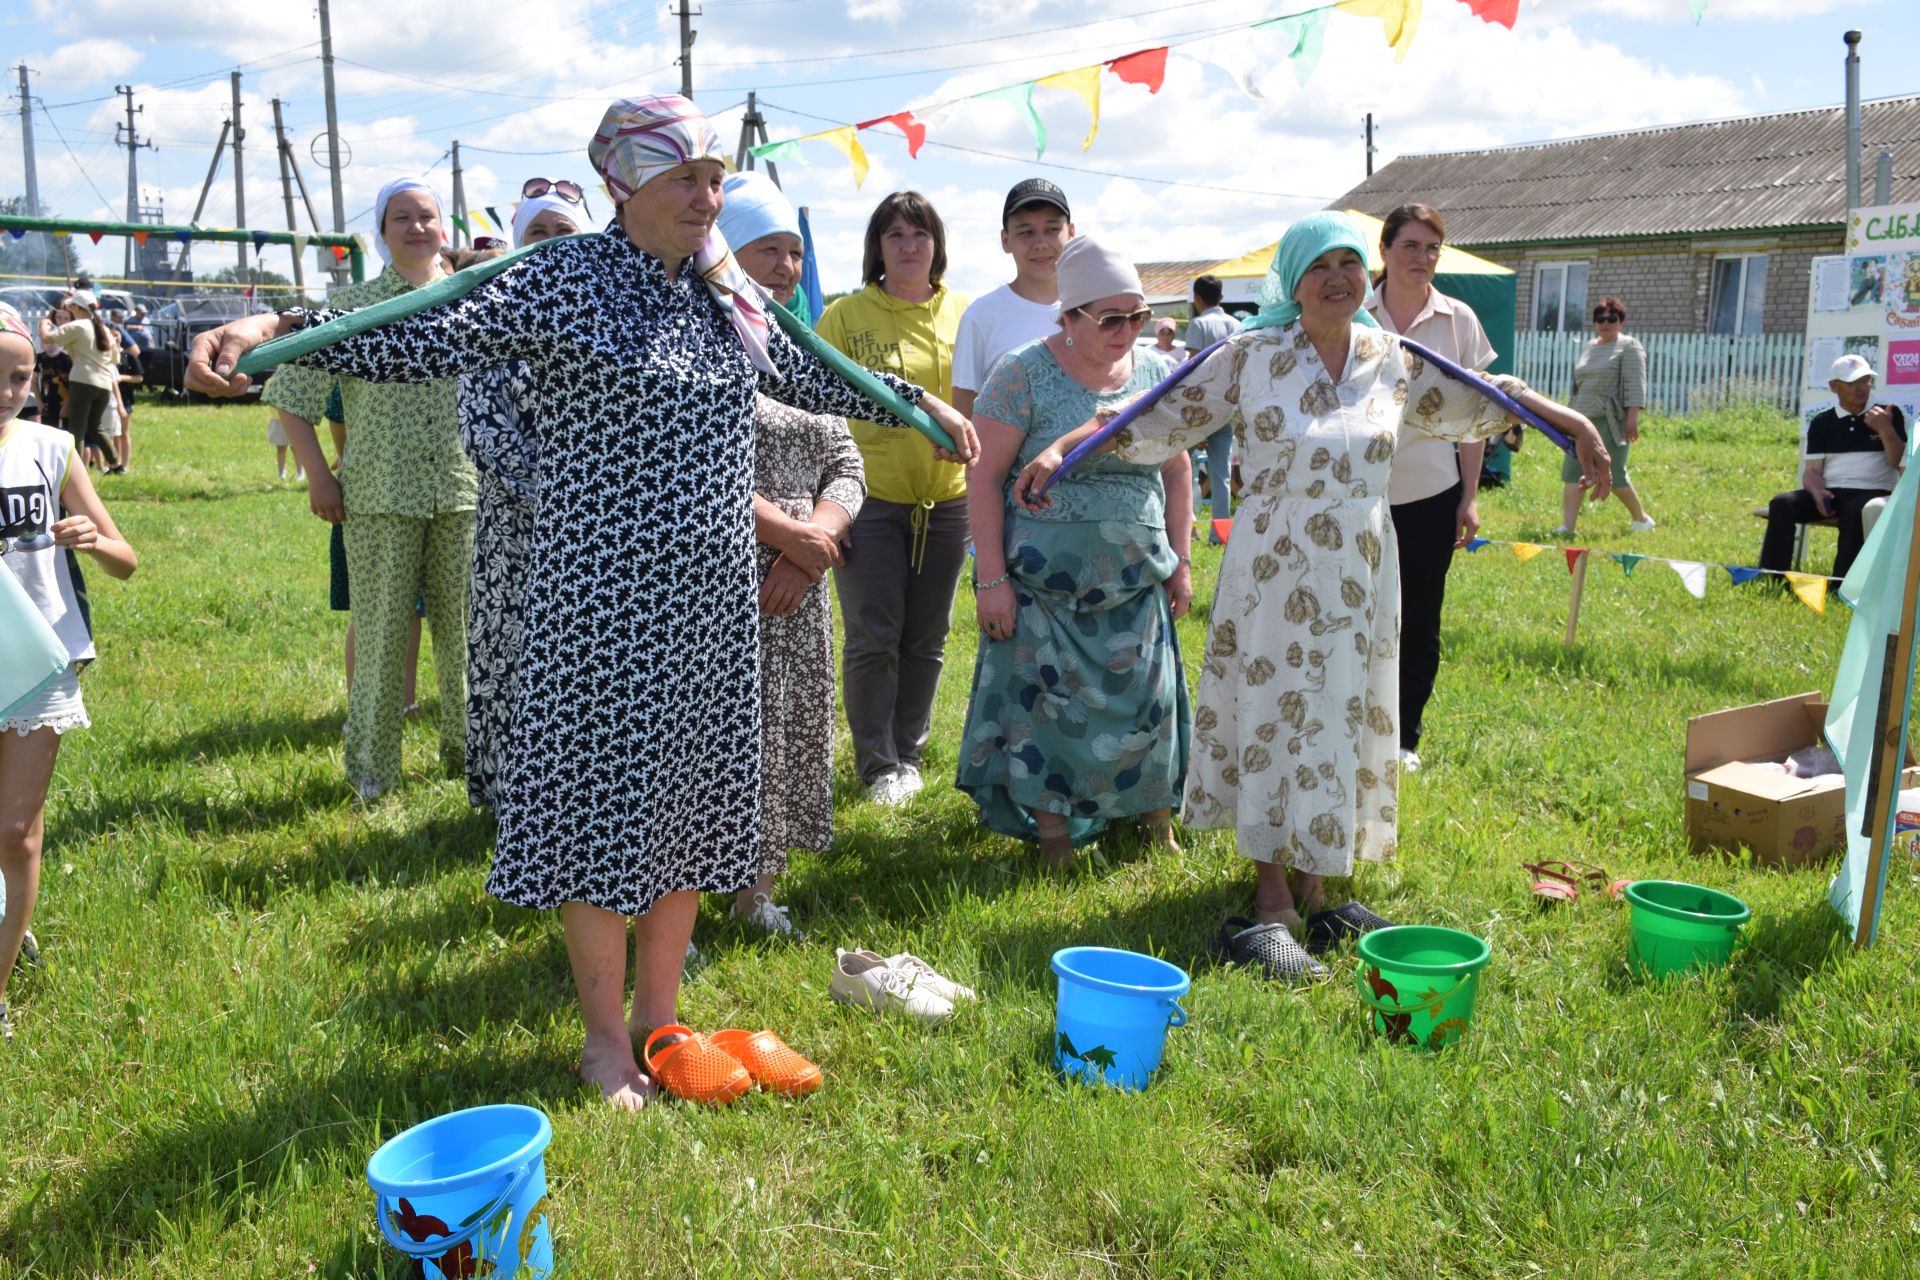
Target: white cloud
[86, 61]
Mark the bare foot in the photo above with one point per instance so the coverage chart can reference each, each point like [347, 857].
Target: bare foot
[621, 1081]
[1286, 916]
[1056, 851]
[1156, 827]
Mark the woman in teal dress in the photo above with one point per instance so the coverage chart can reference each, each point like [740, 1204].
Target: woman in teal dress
[1079, 710]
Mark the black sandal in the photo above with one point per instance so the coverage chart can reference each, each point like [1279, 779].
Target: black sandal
[1328, 929]
[1267, 947]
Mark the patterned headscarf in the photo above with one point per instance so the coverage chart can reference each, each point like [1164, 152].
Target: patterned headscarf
[10, 322]
[387, 193]
[1304, 242]
[641, 138]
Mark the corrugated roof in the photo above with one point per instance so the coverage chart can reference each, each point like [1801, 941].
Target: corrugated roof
[1164, 280]
[1782, 170]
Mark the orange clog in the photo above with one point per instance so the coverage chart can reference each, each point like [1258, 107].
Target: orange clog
[773, 1066]
[694, 1068]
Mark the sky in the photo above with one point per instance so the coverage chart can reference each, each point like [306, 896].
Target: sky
[1217, 162]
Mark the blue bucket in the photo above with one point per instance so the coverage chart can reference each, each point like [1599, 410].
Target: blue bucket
[1110, 1026]
[465, 1194]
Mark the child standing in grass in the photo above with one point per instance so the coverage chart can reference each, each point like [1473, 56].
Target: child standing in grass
[40, 477]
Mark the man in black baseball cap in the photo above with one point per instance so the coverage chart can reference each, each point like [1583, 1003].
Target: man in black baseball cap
[1035, 225]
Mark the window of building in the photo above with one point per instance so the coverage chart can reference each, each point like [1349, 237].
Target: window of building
[1559, 296]
[1738, 300]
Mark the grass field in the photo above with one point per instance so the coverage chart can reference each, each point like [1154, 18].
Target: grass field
[251, 981]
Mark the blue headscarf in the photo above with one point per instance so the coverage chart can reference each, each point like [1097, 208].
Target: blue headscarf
[1304, 242]
[754, 208]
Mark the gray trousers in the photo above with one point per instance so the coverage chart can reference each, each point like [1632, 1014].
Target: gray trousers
[896, 617]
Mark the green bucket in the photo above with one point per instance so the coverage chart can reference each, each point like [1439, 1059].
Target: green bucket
[1680, 928]
[1418, 982]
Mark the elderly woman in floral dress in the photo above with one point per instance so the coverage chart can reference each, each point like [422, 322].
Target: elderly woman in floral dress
[1295, 741]
[636, 784]
[1079, 710]
[808, 484]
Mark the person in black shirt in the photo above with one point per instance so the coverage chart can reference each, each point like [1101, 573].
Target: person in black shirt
[1854, 454]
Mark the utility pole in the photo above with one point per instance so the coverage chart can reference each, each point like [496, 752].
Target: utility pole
[1852, 39]
[26, 145]
[687, 35]
[131, 141]
[333, 135]
[459, 216]
[1369, 144]
[239, 185]
[753, 131]
[286, 192]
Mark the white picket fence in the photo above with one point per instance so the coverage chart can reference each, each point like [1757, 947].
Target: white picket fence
[1686, 372]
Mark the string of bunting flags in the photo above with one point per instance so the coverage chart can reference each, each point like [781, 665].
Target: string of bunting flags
[1809, 588]
[1302, 36]
[185, 235]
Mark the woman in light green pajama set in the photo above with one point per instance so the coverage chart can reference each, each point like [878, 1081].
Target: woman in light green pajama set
[405, 496]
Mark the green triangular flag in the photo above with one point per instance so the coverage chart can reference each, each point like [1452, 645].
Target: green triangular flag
[1021, 96]
[1627, 560]
[1699, 10]
[785, 152]
[1309, 34]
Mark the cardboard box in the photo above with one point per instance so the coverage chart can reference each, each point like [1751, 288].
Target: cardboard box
[1731, 804]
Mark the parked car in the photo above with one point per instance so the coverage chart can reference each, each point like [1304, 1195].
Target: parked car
[175, 325]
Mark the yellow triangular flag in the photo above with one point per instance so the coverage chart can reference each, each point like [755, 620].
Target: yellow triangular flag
[1524, 551]
[1812, 590]
[1399, 19]
[849, 144]
[61, 235]
[1086, 83]
[473, 215]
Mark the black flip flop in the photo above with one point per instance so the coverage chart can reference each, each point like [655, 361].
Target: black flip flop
[1328, 929]
[1269, 948]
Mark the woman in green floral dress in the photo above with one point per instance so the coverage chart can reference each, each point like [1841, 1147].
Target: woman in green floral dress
[1079, 710]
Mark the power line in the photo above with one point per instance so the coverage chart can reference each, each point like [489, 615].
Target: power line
[957, 44]
[70, 154]
[1071, 168]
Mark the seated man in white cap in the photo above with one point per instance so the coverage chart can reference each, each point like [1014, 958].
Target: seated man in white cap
[1854, 454]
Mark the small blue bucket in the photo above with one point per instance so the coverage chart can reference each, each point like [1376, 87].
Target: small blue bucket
[1110, 1026]
[465, 1194]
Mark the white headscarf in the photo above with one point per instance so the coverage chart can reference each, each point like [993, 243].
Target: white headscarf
[552, 202]
[754, 208]
[387, 193]
[1088, 270]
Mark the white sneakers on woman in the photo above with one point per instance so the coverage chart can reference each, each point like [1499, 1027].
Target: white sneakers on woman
[894, 984]
[896, 786]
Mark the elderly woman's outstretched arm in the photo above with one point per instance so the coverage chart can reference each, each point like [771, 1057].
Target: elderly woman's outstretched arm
[806, 382]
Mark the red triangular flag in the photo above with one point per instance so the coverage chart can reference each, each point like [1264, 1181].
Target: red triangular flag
[1573, 556]
[95, 236]
[903, 121]
[1221, 528]
[1503, 12]
[140, 238]
[339, 252]
[1149, 66]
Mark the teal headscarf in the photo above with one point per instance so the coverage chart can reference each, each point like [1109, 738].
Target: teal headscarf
[1305, 241]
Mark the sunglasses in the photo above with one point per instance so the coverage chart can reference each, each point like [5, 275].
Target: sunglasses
[1607, 317]
[566, 188]
[1114, 321]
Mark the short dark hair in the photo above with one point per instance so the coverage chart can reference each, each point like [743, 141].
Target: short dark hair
[1208, 291]
[1611, 303]
[918, 211]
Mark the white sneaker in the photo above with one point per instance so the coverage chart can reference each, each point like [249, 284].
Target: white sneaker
[865, 980]
[927, 976]
[896, 786]
[771, 917]
[1641, 526]
[1561, 531]
[910, 782]
[1409, 761]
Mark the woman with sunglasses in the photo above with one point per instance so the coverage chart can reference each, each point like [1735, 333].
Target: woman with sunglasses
[1609, 386]
[1079, 711]
[498, 420]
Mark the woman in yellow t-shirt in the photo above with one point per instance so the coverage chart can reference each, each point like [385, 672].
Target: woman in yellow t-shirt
[909, 543]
